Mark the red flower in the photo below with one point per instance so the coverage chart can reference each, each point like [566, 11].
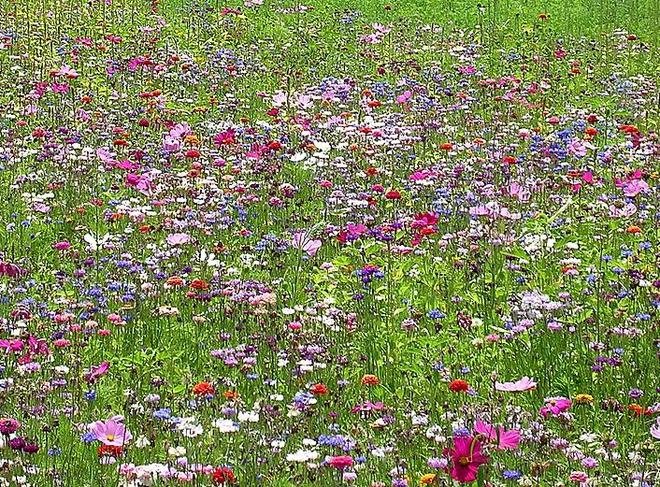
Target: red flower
[319, 389]
[446, 146]
[199, 284]
[203, 389]
[509, 160]
[370, 380]
[458, 385]
[223, 475]
[192, 153]
[109, 451]
[393, 195]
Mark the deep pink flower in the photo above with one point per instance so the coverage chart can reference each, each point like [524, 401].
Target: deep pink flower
[340, 462]
[555, 406]
[466, 458]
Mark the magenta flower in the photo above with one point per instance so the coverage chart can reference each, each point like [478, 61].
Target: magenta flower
[9, 426]
[61, 245]
[340, 462]
[555, 406]
[466, 458]
[111, 432]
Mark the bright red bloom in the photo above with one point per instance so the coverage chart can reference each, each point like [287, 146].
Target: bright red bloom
[199, 284]
[466, 458]
[369, 380]
[458, 385]
[223, 475]
[109, 451]
[203, 389]
[319, 389]
[393, 195]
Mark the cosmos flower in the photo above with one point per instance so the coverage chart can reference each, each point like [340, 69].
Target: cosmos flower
[111, 432]
[465, 459]
[555, 406]
[505, 440]
[521, 385]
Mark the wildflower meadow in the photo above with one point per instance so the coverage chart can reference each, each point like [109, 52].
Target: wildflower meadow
[298, 243]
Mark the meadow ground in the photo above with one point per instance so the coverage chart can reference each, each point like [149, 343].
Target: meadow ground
[290, 243]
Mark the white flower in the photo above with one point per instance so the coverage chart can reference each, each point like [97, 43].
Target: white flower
[142, 442]
[302, 456]
[249, 416]
[225, 425]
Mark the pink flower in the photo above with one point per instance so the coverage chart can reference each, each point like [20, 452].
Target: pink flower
[302, 241]
[577, 148]
[521, 385]
[578, 477]
[61, 245]
[96, 372]
[340, 462]
[404, 97]
[466, 458]
[555, 406]
[506, 440]
[634, 187]
[178, 238]
[655, 430]
[111, 432]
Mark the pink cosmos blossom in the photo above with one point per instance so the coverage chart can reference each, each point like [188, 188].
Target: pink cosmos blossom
[62, 245]
[634, 187]
[655, 430]
[178, 239]
[505, 440]
[521, 385]
[111, 432]
[302, 241]
[404, 97]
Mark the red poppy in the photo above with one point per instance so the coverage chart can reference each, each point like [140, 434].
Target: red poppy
[446, 146]
[458, 385]
[393, 195]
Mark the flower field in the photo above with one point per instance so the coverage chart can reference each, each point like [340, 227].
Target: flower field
[320, 243]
